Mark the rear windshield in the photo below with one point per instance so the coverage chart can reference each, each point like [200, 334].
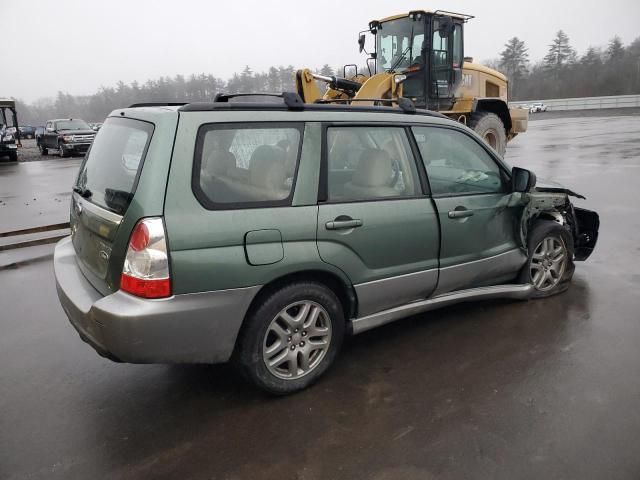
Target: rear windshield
[109, 174]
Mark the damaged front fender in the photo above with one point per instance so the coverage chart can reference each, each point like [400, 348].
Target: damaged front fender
[552, 203]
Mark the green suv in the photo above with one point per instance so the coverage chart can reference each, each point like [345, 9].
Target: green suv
[263, 233]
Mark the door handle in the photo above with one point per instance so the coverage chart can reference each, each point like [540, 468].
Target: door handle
[460, 212]
[342, 223]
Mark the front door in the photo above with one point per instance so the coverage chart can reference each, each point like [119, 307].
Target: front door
[479, 216]
[375, 221]
[48, 135]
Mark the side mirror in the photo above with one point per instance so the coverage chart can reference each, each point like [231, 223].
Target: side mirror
[361, 40]
[522, 180]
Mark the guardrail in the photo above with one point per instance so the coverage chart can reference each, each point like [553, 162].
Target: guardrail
[30, 231]
[585, 103]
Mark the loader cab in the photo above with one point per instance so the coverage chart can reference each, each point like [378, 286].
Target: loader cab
[427, 47]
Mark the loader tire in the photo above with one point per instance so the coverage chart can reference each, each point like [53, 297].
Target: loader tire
[491, 129]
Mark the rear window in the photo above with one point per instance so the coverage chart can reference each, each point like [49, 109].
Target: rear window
[246, 166]
[109, 174]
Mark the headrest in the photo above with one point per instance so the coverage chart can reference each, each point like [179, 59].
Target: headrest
[374, 168]
[267, 167]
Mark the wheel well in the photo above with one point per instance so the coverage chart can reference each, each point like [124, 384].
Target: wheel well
[345, 293]
[498, 107]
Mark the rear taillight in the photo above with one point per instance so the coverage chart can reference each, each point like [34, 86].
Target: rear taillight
[146, 266]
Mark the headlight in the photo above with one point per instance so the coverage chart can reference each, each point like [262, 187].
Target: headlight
[7, 138]
[399, 78]
[68, 138]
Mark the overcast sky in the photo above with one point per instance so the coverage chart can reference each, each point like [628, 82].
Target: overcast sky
[76, 46]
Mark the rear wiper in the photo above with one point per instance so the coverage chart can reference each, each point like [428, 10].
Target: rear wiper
[83, 192]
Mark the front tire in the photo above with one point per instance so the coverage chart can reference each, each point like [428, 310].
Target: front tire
[491, 129]
[43, 150]
[550, 266]
[61, 151]
[291, 338]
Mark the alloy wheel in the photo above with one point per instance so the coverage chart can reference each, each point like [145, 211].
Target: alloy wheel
[548, 263]
[297, 340]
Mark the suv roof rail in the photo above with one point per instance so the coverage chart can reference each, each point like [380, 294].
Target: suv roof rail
[291, 99]
[157, 104]
[406, 105]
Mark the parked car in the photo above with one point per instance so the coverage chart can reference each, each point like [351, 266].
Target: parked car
[27, 131]
[66, 135]
[263, 234]
[537, 107]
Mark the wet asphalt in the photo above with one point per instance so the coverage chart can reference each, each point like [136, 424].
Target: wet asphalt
[513, 390]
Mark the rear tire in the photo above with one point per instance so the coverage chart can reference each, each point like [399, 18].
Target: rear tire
[491, 129]
[291, 338]
[549, 266]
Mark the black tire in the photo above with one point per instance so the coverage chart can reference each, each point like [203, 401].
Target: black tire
[541, 230]
[253, 339]
[61, 151]
[491, 129]
[43, 150]
[13, 156]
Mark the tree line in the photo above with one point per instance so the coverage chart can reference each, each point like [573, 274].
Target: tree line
[562, 73]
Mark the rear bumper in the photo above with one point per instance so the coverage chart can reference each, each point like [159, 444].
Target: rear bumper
[189, 328]
[519, 120]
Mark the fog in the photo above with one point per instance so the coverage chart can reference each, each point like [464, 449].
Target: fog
[77, 46]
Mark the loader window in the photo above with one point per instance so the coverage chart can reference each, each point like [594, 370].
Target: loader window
[399, 44]
[457, 47]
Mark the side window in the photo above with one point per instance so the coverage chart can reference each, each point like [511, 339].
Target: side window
[246, 166]
[457, 46]
[370, 163]
[456, 163]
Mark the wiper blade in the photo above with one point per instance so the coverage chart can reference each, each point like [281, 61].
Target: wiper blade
[83, 192]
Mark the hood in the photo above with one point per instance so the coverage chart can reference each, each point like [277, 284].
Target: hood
[543, 185]
[84, 131]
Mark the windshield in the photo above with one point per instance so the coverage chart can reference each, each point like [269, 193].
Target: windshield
[73, 124]
[399, 44]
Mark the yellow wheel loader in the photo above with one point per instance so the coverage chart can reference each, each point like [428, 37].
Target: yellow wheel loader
[420, 56]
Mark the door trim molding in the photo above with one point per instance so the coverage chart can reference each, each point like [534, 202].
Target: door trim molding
[368, 322]
[483, 270]
[384, 293]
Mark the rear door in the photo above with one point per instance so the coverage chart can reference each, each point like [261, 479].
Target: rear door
[479, 215]
[375, 220]
[103, 192]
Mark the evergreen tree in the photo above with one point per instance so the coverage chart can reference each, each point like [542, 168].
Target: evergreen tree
[513, 62]
[560, 53]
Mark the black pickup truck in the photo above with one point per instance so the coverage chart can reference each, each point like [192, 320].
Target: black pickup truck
[67, 136]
